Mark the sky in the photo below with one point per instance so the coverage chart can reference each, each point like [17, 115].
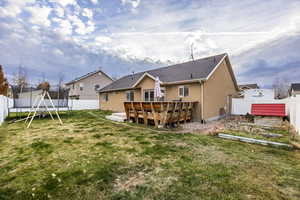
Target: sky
[69, 38]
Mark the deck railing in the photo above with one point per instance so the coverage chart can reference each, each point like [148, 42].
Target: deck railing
[159, 113]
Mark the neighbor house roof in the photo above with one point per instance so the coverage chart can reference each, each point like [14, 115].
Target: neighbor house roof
[88, 75]
[196, 70]
[295, 86]
[249, 86]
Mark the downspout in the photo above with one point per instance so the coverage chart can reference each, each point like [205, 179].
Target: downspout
[202, 101]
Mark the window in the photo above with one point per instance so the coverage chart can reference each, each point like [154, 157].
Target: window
[81, 86]
[130, 96]
[105, 97]
[97, 87]
[148, 95]
[183, 91]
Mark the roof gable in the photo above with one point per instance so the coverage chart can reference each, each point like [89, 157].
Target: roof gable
[142, 78]
[88, 75]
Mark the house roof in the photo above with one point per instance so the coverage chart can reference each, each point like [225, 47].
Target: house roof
[295, 86]
[88, 75]
[193, 70]
[249, 86]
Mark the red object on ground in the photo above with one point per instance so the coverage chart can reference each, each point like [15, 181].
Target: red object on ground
[268, 110]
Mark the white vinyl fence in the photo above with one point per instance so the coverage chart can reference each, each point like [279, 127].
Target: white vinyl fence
[242, 106]
[84, 104]
[5, 103]
[72, 104]
[294, 112]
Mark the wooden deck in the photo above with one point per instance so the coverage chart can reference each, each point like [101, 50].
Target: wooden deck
[159, 113]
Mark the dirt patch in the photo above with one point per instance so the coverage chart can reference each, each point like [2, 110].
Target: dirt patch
[207, 128]
[130, 182]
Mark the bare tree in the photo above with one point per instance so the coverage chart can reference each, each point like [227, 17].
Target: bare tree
[20, 78]
[281, 87]
[61, 88]
[61, 78]
[192, 51]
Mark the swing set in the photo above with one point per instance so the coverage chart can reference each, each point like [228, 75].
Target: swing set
[39, 102]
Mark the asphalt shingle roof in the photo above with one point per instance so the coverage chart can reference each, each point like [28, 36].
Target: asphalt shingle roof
[87, 75]
[295, 86]
[197, 69]
[252, 86]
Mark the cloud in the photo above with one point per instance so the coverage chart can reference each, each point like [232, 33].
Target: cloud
[64, 3]
[103, 39]
[134, 35]
[14, 7]
[87, 13]
[64, 26]
[60, 12]
[39, 15]
[133, 4]
[94, 1]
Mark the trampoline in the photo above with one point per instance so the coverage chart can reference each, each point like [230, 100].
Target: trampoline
[24, 99]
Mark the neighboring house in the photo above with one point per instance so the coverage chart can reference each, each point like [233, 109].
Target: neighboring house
[295, 89]
[87, 86]
[209, 81]
[245, 87]
[260, 94]
[248, 86]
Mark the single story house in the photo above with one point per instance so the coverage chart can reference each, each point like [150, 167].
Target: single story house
[294, 90]
[245, 87]
[248, 86]
[208, 81]
[87, 86]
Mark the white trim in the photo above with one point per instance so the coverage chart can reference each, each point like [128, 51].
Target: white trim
[179, 87]
[183, 86]
[211, 73]
[142, 77]
[202, 100]
[126, 93]
[148, 90]
[184, 81]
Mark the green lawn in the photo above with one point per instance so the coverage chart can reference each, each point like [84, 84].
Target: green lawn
[91, 158]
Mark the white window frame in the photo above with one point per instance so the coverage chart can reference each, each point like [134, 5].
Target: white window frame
[183, 87]
[130, 92]
[105, 97]
[149, 91]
